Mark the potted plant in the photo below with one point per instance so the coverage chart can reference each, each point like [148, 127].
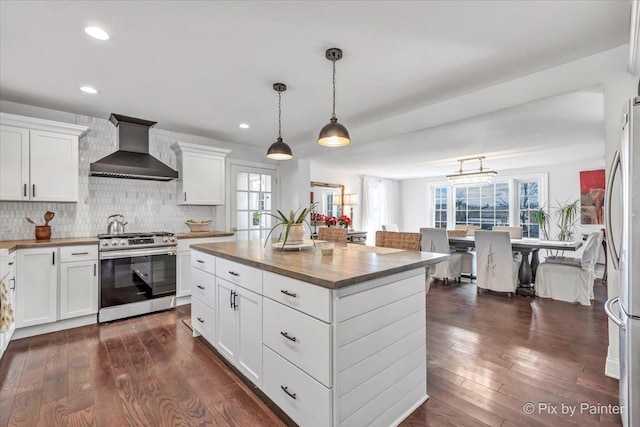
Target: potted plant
[292, 225]
[256, 218]
[344, 221]
[566, 217]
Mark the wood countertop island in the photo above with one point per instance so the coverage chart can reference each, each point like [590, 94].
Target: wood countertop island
[333, 340]
[350, 264]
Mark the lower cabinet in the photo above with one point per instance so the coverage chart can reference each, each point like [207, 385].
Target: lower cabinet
[37, 286]
[239, 328]
[55, 284]
[78, 289]
[183, 274]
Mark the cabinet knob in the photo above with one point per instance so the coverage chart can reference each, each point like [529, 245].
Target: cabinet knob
[200, 319]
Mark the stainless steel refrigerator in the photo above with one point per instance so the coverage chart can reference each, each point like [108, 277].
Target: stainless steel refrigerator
[625, 254]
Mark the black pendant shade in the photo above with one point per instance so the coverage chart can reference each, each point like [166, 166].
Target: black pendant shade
[333, 134]
[279, 150]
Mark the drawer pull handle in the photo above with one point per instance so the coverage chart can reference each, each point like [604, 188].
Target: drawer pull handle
[233, 273]
[80, 253]
[200, 261]
[200, 286]
[287, 293]
[286, 335]
[200, 319]
[291, 395]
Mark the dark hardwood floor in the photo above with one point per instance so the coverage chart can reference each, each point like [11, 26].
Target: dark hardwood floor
[488, 355]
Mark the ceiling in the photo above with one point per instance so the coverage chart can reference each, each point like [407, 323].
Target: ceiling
[204, 67]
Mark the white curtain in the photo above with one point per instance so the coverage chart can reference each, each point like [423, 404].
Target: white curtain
[377, 205]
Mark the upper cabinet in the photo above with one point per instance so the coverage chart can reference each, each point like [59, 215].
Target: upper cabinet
[201, 169]
[38, 159]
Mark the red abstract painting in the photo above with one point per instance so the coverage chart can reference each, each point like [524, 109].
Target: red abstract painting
[592, 197]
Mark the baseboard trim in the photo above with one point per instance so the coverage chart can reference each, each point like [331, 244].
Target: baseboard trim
[409, 411]
[612, 368]
[60, 325]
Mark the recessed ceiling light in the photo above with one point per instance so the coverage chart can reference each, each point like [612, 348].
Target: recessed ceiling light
[97, 33]
[243, 126]
[88, 89]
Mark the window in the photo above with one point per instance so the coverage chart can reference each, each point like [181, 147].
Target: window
[484, 206]
[252, 201]
[440, 207]
[528, 202]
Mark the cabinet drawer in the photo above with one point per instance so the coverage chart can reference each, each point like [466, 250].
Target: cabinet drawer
[203, 261]
[301, 397]
[78, 253]
[242, 275]
[310, 299]
[203, 287]
[203, 320]
[301, 339]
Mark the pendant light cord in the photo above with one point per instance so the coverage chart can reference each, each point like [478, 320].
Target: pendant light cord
[279, 114]
[333, 114]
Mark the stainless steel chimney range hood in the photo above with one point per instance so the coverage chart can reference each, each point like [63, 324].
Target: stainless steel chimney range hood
[132, 160]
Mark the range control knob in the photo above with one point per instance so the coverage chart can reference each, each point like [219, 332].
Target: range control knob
[123, 242]
[105, 243]
[172, 239]
[164, 239]
[114, 242]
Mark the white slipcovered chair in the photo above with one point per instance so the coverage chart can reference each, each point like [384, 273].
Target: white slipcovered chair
[497, 267]
[390, 227]
[468, 262]
[570, 279]
[514, 232]
[436, 240]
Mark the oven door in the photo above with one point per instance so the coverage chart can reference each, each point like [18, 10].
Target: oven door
[134, 275]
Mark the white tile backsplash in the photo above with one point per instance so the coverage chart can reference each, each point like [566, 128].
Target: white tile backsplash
[146, 205]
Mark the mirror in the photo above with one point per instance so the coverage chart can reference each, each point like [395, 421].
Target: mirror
[328, 197]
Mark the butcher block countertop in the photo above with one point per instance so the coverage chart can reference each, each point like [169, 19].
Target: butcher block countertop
[12, 245]
[349, 264]
[202, 234]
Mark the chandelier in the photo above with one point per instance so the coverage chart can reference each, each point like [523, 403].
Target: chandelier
[470, 179]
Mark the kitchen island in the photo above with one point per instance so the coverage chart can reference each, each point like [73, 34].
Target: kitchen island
[333, 340]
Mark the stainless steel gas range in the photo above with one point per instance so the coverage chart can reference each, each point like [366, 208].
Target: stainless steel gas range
[137, 274]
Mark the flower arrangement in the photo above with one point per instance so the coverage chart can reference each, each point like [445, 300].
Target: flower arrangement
[342, 221]
[330, 221]
[317, 218]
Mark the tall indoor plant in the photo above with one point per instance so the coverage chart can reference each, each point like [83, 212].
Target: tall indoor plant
[292, 225]
[566, 215]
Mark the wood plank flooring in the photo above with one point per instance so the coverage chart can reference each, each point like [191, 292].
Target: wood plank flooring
[488, 355]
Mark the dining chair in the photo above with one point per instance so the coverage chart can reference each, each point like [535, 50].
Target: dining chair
[468, 262]
[398, 240]
[390, 227]
[436, 240]
[497, 267]
[469, 228]
[332, 234]
[570, 279]
[514, 232]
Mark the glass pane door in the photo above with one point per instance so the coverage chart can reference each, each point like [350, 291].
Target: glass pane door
[252, 192]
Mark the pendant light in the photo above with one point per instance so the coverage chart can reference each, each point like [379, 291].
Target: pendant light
[279, 150]
[480, 177]
[334, 134]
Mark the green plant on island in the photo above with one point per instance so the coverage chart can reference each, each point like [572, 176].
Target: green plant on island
[287, 222]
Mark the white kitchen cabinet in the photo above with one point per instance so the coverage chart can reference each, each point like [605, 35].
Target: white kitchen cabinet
[38, 159]
[201, 174]
[239, 328]
[37, 286]
[78, 281]
[183, 274]
[8, 297]
[185, 261]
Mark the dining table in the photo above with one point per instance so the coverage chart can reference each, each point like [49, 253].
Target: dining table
[526, 246]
